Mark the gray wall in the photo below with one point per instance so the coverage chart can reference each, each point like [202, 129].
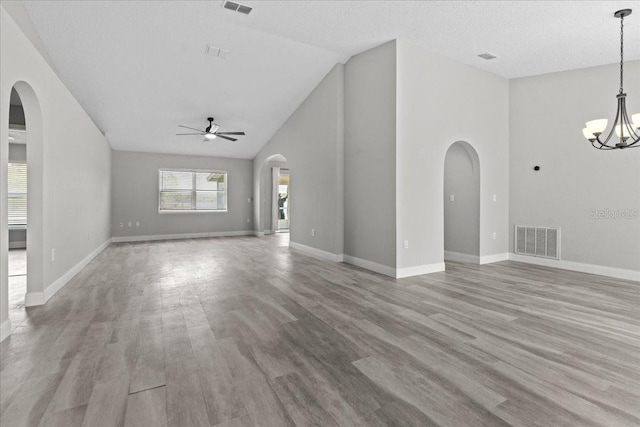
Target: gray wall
[548, 113]
[311, 141]
[69, 171]
[135, 195]
[462, 216]
[370, 155]
[440, 102]
[17, 152]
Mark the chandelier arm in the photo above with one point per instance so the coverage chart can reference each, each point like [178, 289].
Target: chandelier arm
[633, 136]
[613, 128]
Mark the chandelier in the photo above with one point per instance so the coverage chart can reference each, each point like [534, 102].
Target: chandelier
[628, 131]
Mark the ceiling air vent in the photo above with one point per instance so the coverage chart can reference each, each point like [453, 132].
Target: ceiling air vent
[237, 7]
[216, 52]
[487, 56]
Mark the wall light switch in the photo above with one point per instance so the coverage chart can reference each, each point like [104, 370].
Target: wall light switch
[130, 224]
[495, 198]
[452, 198]
[495, 236]
[137, 223]
[406, 244]
[53, 254]
[313, 232]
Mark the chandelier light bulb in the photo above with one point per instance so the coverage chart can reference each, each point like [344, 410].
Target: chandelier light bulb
[597, 126]
[635, 119]
[587, 134]
[623, 131]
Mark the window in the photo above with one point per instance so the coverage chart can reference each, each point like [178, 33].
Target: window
[17, 186]
[192, 191]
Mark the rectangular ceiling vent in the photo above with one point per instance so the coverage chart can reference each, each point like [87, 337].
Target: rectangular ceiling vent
[541, 242]
[237, 7]
[487, 56]
[216, 52]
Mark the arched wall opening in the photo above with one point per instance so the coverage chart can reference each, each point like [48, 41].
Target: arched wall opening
[462, 203]
[269, 200]
[35, 193]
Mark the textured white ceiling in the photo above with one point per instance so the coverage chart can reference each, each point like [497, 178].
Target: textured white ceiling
[139, 68]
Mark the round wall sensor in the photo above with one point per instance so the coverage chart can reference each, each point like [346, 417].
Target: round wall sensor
[536, 168]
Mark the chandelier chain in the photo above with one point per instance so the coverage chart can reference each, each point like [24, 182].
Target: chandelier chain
[621, 53]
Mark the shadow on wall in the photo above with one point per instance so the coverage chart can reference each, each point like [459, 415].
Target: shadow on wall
[462, 203]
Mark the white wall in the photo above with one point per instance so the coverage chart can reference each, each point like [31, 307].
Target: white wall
[548, 113]
[441, 102]
[370, 160]
[462, 215]
[73, 165]
[311, 141]
[134, 186]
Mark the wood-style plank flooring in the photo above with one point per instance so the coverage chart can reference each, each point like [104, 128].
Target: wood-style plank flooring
[245, 332]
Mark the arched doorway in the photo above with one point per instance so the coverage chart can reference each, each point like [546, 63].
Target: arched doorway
[26, 154]
[273, 199]
[462, 203]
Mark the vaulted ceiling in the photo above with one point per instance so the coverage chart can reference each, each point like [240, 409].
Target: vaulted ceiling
[139, 68]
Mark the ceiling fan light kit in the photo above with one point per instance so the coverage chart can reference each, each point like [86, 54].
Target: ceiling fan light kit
[627, 130]
[211, 132]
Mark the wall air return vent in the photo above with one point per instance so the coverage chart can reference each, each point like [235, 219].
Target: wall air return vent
[237, 7]
[541, 242]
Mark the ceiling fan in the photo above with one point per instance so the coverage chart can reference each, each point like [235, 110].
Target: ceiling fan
[211, 132]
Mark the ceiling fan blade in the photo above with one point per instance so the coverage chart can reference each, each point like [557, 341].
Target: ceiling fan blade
[229, 133]
[226, 137]
[187, 127]
[199, 133]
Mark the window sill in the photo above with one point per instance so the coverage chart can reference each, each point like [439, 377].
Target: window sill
[18, 227]
[189, 212]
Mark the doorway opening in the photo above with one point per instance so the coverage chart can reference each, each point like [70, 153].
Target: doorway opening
[17, 205]
[282, 201]
[462, 204]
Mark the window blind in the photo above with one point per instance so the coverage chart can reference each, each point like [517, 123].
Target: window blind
[17, 193]
[191, 190]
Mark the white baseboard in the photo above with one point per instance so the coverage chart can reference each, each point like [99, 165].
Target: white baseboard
[258, 233]
[18, 245]
[318, 253]
[5, 329]
[32, 299]
[460, 257]
[39, 298]
[618, 273]
[419, 270]
[149, 238]
[488, 259]
[370, 265]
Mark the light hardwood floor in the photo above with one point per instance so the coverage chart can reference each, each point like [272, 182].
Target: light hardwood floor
[245, 332]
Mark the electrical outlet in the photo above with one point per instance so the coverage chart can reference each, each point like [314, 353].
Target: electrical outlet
[313, 232]
[130, 224]
[406, 244]
[137, 223]
[248, 220]
[495, 198]
[452, 198]
[53, 254]
[121, 224]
